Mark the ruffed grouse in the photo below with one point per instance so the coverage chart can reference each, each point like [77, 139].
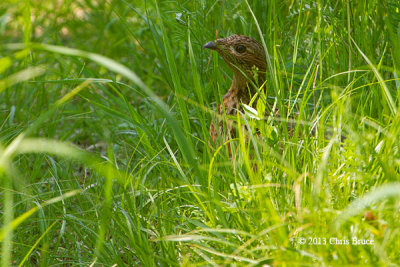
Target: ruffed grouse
[246, 57]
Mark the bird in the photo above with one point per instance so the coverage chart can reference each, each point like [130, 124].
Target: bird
[247, 58]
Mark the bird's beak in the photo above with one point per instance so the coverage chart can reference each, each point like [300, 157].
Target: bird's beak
[210, 45]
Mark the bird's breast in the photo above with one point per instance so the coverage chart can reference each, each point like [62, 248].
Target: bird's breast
[231, 101]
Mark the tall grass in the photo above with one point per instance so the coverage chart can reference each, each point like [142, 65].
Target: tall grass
[105, 156]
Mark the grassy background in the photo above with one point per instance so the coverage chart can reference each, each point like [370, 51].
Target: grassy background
[105, 155]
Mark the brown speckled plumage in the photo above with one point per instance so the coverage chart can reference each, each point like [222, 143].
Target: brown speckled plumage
[246, 57]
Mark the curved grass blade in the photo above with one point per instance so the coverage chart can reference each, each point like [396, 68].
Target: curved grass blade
[390, 190]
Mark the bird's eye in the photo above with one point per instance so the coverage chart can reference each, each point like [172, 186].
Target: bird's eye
[240, 48]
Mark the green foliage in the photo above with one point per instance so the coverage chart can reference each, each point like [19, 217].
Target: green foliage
[105, 155]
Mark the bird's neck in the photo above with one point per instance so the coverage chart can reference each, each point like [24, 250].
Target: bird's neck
[239, 82]
[242, 88]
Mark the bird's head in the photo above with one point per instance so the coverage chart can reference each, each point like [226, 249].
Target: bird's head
[241, 53]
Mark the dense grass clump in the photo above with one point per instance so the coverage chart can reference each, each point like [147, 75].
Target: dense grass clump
[105, 155]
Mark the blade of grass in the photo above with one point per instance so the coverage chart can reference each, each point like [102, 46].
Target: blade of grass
[36, 243]
[382, 83]
[21, 76]
[6, 229]
[390, 190]
[174, 72]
